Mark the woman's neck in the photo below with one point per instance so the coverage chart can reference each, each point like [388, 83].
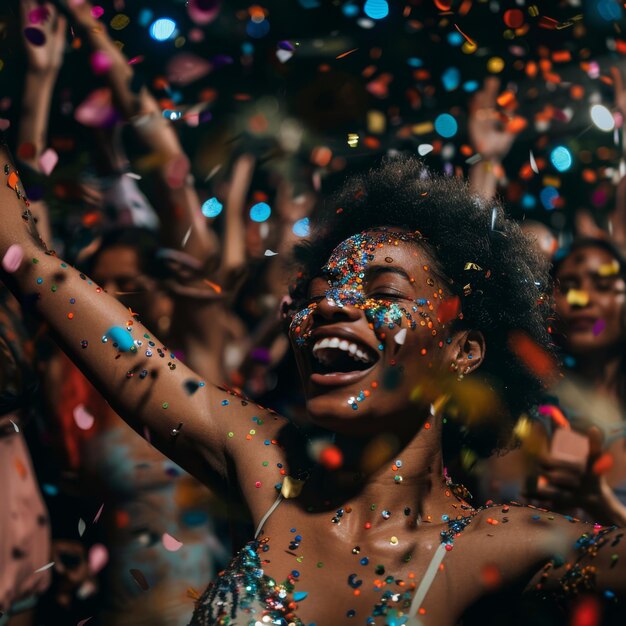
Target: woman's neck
[380, 478]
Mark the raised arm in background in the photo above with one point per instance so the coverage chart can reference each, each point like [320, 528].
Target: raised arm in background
[491, 135]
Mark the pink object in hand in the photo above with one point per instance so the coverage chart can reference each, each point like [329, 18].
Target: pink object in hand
[12, 258]
[568, 445]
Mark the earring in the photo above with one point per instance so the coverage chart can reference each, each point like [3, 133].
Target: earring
[463, 373]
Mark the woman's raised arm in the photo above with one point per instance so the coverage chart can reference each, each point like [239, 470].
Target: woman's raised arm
[157, 395]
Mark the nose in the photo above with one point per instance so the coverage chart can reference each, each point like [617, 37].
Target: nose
[338, 307]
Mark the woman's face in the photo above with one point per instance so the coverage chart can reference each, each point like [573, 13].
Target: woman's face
[369, 338]
[589, 300]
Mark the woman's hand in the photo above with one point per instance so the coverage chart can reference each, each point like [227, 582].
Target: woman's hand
[488, 134]
[46, 58]
[564, 484]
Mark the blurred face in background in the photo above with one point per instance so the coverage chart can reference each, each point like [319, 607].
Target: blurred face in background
[590, 297]
[119, 271]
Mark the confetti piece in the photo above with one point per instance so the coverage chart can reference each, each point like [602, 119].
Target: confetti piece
[84, 420]
[183, 243]
[98, 514]
[535, 358]
[603, 464]
[555, 414]
[45, 567]
[83, 621]
[213, 285]
[140, 579]
[475, 158]
[171, 544]
[331, 458]
[609, 269]
[15, 426]
[4, 124]
[576, 297]
[284, 55]
[12, 258]
[598, 327]
[400, 336]
[345, 54]
[48, 160]
[81, 527]
[469, 40]
[424, 148]
[120, 337]
[449, 309]
[269, 252]
[97, 558]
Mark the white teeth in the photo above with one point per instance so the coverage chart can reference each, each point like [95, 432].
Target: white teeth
[339, 344]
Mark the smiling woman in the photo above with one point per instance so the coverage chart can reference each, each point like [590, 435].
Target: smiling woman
[412, 284]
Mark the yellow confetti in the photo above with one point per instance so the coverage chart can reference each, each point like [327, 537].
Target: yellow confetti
[353, 140]
[120, 21]
[609, 269]
[472, 266]
[576, 297]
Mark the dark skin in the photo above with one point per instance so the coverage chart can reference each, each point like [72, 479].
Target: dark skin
[590, 301]
[204, 446]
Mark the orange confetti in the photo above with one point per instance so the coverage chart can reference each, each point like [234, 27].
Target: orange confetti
[468, 39]
[213, 285]
[13, 180]
[602, 464]
[345, 54]
[533, 356]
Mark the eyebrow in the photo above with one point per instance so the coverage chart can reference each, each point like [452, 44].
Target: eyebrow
[377, 270]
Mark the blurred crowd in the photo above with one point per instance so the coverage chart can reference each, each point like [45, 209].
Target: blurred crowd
[95, 524]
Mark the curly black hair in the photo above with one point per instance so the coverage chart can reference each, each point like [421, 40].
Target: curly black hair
[484, 256]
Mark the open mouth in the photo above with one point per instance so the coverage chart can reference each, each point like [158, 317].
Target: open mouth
[334, 355]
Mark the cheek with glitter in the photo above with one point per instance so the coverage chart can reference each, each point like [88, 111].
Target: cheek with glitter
[300, 326]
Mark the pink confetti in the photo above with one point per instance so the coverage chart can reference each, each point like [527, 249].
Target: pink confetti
[203, 11]
[4, 124]
[98, 514]
[96, 110]
[83, 418]
[12, 258]
[185, 68]
[83, 621]
[48, 160]
[97, 11]
[598, 327]
[38, 15]
[98, 557]
[170, 543]
[101, 62]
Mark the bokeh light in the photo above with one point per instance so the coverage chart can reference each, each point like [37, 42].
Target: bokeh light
[561, 158]
[260, 211]
[602, 117]
[549, 197]
[162, 29]
[376, 9]
[446, 125]
[301, 228]
[212, 207]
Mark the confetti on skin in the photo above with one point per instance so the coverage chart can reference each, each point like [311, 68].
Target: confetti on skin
[171, 544]
[576, 297]
[12, 258]
[120, 337]
[598, 327]
[15, 426]
[269, 252]
[83, 419]
[609, 269]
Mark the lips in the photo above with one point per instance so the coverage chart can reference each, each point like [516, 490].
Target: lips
[340, 358]
[581, 324]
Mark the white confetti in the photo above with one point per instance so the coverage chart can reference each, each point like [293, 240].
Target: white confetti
[269, 252]
[533, 163]
[81, 527]
[400, 337]
[424, 148]
[475, 158]
[15, 426]
[45, 567]
[183, 243]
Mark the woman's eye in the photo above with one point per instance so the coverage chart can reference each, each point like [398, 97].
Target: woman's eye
[387, 295]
